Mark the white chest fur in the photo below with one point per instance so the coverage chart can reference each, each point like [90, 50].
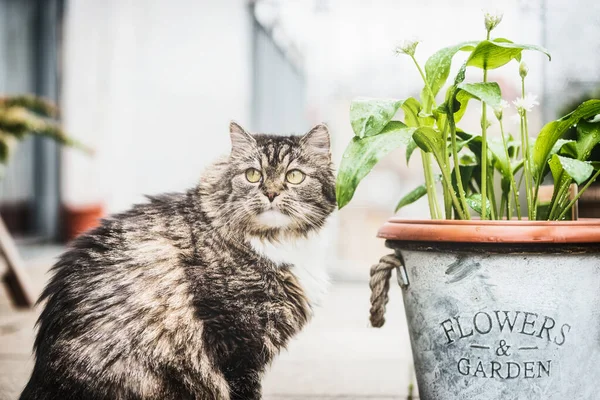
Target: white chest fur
[309, 257]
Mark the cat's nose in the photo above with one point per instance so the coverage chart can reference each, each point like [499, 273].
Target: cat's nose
[272, 195]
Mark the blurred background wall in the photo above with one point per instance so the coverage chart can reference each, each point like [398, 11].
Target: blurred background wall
[30, 42]
[153, 84]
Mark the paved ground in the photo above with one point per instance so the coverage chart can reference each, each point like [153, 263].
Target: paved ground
[338, 356]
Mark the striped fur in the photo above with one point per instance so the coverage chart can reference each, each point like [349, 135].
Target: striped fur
[170, 300]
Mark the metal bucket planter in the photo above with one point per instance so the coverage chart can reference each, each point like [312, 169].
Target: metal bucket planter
[498, 309]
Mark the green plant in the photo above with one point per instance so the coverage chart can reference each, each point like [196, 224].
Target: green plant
[468, 161]
[24, 115]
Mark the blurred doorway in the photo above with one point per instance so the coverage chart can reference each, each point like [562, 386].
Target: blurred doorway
[29, 63]
[279, 87]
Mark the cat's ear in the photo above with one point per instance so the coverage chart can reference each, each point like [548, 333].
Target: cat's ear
[317, 140]
[241, 141]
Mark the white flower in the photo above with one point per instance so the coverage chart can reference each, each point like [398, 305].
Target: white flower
[407, 46]
[492, 19]
[498, 110]
[526, 104]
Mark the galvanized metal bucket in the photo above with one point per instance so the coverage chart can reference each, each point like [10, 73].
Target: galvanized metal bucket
[501, 310]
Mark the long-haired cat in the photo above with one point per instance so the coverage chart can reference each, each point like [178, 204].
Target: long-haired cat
[191, 295]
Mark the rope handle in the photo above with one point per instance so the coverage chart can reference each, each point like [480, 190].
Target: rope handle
[381, 274]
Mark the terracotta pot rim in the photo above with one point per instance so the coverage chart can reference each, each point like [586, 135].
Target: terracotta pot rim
[477, 231]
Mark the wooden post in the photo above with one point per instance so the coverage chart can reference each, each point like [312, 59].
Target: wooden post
[13, 272]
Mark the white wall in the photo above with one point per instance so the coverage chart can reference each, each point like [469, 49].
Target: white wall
[151, 85]
[573, 34]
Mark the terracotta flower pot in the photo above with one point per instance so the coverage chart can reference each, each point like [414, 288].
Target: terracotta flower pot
[78, 219]
[501, 309]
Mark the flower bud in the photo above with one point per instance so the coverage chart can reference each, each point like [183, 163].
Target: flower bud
[407, 47]
[523, 69]
[498, 110]
[492, 19]
[498, 113]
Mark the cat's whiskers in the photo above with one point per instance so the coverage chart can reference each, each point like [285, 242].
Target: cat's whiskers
[313, 218]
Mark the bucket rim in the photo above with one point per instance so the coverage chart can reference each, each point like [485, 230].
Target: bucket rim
[477, 231]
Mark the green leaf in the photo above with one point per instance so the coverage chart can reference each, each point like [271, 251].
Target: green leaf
[460, 75]
[557, 170]
[503, 165]
[564, 147]
[411, 108]
[552, 131]
[466, 174]
[474, 201]
[491, 54]
[488, 92]
[467, 158]
[437, 69]
[580, 171]
[460, 104]
[561, 179]
[362, 154]
[473, 142]
[431, 141]
[369, 116]
[412, 117]
[588, 136]
[410, 148]
[411, 197]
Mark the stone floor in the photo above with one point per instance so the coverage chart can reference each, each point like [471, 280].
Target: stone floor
[338, 356]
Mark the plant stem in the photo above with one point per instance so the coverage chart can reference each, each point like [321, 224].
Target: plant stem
[503, 203]
[484, 148]
[462, 213]
[447, 201]
[510, 171]
[583, 189]
[492, 195]
[524, 143]
[526, 155]
[430, 185]
[434, 206]
[558, 196]
[484, 159]
[447, 188]
[426, 83]
[459, 183]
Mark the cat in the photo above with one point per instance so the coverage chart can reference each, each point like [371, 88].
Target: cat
[191, 295]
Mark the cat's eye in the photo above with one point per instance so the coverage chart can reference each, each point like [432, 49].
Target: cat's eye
[295, 176]
[253, 175]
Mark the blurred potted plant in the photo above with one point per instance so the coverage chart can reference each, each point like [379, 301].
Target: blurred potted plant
[23, 115]
[500, 306]
[20, 116]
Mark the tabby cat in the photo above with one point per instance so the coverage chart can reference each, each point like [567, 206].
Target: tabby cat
[191, 295]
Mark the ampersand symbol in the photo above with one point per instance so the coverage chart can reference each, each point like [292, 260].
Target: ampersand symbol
[502, 350]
